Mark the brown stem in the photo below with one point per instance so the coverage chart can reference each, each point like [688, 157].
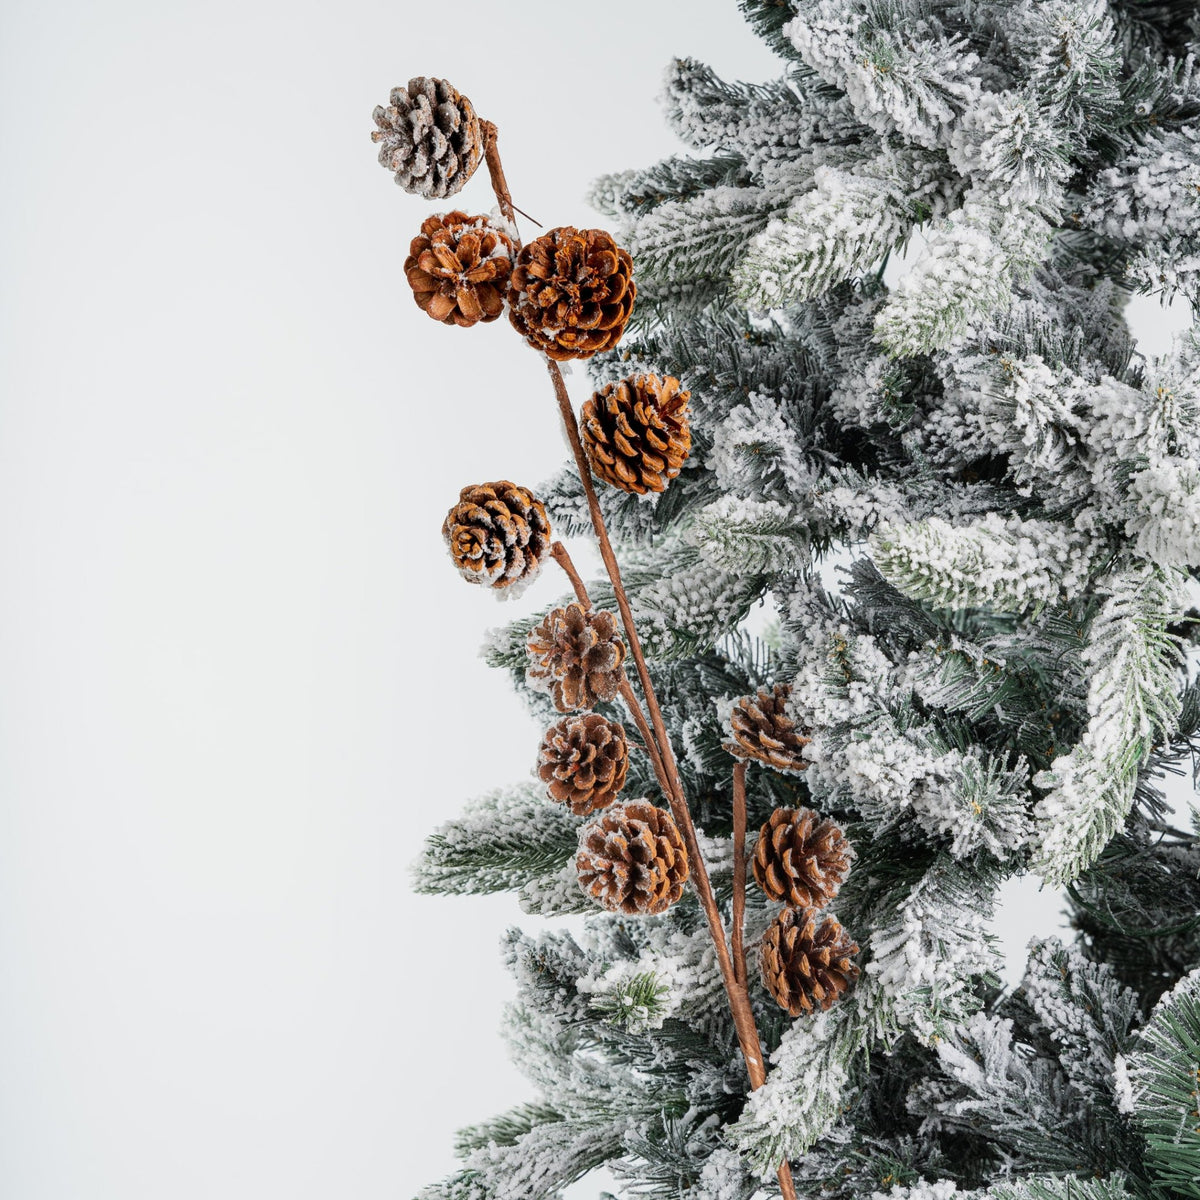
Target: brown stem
[563, 557]
[559, 553]
[739, 1001]
[639, 719]
[491, 155]
[739, 872]
[658, 744]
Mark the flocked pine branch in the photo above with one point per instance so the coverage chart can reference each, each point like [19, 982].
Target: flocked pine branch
[1133, 702]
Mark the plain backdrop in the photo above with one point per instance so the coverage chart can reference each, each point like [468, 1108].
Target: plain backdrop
[238, 676]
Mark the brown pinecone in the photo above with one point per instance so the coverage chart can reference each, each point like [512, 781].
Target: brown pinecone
[497, 533]
[571, 292]
[763, 730]
[806, 960]
[583, 761]
[429, 136]
[577, 657]
[458, 268]
[636, 432]
[632, 858]
[800, 858]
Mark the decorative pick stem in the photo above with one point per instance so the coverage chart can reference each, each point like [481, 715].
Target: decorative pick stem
[491, 155]
[559, 553]
[658, 744]
[739, 872]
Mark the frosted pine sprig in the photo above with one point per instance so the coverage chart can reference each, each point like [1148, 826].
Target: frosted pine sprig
[1004, 564]
[1133, 700]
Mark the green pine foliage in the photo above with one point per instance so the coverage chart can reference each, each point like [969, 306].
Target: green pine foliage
[1163, 1074]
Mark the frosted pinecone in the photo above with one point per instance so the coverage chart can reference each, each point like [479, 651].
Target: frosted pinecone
[429, 136]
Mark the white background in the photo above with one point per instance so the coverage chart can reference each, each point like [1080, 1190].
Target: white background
[238, 676]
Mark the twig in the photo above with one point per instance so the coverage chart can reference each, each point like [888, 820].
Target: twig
[658, 743]
[491, 156]
[559, 553]
[739, 872]
[562, 556]
[739, 1001]
[531, 220]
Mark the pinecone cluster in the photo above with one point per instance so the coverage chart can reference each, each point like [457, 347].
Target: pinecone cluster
[762, 730]
[571, 292]
[801, 860]
[632, 858]
[636, 432]
[807, 960]
[458, 268]
[429, 136]
[577, 656]
[583, 761]
[498, 534]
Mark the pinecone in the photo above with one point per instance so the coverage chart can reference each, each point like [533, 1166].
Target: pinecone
[763, 730]
[571, 292]
[430, 136]
[806, 965]
[632, 858]
[583, 761]
[577, 657]
[801, 859]
[458, 268]
[497, 533]
[636, 432]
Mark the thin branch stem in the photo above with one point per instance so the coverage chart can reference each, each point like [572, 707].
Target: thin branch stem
[739, 872]
[658, 743]
[559, 553]
[562, 556]
[739, 1001]
[491, 155]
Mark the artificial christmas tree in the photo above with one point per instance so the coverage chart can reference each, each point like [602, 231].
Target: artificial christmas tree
[990, 685]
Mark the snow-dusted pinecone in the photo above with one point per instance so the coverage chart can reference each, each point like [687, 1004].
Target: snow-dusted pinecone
[632, 859]
[636, 432]
[806, 960]
[571, 292]
[762, 730]
[576, 656]
[801, 859]
[458, 268]
[429, 136]
[583, 761]
[498, 534]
